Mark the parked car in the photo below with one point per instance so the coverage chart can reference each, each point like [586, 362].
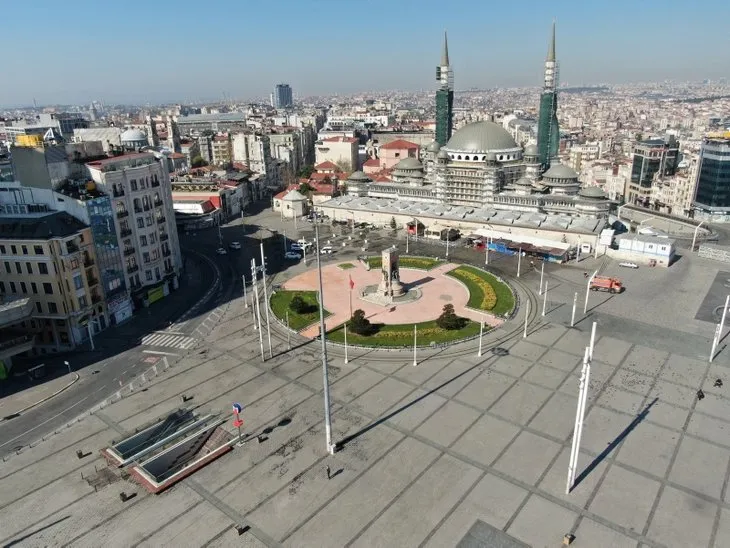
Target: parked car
[221, 251]
[628, 265]
[292, 256]
[304, 243]
[235, 245]
[295, 247]
[326, 250]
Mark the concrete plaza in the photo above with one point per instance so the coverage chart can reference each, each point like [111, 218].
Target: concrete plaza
[458, 445]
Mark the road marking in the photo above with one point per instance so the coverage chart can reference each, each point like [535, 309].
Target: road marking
[166, 332]
[160, 353]
[171, 341]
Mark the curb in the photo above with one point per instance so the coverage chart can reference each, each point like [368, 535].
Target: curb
[31, 406]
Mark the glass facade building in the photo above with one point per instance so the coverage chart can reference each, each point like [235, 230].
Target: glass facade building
[283, 96]
[652, 158]
[713, 177]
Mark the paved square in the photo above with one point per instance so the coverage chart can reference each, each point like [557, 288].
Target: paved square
[458, 447]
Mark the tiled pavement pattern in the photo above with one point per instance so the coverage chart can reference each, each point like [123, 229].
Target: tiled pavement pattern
[461, 440]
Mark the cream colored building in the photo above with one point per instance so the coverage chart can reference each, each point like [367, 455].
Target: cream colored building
[49, 258]
[220, 150]
[342, 151]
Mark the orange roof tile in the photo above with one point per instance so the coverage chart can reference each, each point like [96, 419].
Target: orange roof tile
[372, 162]
[326, 165]
[399, 144]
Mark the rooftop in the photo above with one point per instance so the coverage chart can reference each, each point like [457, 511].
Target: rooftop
[399, 144]
[40, 227]
[201, 118]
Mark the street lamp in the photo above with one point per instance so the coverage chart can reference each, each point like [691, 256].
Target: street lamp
[588, 288]
[67, 365]
[694, 238]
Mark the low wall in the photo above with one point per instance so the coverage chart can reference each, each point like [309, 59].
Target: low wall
[715, 253]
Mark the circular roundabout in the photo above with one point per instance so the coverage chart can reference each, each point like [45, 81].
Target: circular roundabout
[445, 301]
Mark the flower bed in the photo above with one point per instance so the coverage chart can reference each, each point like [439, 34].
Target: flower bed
[346, 266]
[280, 305]
[401, 335]
[485, 291]
[418, 263]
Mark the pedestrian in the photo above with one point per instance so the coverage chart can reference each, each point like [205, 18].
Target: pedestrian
[329, 472]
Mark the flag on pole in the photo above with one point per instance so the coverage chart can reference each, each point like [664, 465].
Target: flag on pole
[352, 284]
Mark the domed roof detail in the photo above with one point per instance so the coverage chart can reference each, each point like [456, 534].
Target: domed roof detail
[481, 137]
[133, 135]
[359, 176]
[592, 192]
[409, 163]
[523, 181]
[433, 146]
[560, 171]
[442, 155]
[531, 150]
[491, 157]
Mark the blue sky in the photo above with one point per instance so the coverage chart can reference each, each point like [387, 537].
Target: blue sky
[187, 50]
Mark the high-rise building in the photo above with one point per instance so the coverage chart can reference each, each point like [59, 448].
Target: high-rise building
[444, 97]
[652, 158]
[548, 131]
[712, 199]
[283, 96]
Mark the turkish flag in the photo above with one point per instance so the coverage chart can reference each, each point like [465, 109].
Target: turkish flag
[352, 284]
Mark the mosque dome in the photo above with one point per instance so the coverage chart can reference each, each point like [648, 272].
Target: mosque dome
[481, 137]
[409, 163]
[433, 146]
[442, 155]
[531, 150]
[592, 192]
[133, 136]
[358, 176]
[523, 181]
[560, 171]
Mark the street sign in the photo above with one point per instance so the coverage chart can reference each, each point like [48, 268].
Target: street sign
[237, 408]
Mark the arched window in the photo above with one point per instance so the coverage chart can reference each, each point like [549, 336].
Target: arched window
[466, 157]
[501, 157]
[484, 158]
[459, 157]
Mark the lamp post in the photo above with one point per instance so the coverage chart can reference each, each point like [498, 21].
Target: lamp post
[481, 332]
[575, 304]
[345, 328]
[486, 251]
[694, 238]
[415, 336]
[288, 332]
[91, 334]
[266, 298]
[544, 300]
[447, 244]
[588, 288]
[257, 305]
[323, 336]
[406, 240]
[519, 261]
[542, 275]
[243, 281]
[527, 315]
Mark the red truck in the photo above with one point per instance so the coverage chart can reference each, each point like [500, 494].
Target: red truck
[604, 283]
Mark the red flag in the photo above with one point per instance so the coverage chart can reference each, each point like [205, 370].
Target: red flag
[352, 284]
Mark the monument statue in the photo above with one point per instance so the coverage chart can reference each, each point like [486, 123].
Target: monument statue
[390, 285]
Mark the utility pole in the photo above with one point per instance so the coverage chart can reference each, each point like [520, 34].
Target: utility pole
[575, 304]
[481, 332]
[588, 288]
[288, 331]
[519, 261]
[527, 315]
[345, 342]
[323, 336]
[243, 280]
[415, 338]
[266, 298]
[542, 275]
[544, 301]
[579, 418]
[258, 307]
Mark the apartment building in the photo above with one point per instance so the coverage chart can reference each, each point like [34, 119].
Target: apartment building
[49, 259]
[342, 151]
[139, 186]
[220, 150]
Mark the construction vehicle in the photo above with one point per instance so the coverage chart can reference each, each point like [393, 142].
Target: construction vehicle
[604, 283]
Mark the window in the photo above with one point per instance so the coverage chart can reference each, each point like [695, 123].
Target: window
[2, 249]
[133, 184]
[7, 267]
[23, 288]
[13, 250]
[153, 238]
[38, 249]
[140, 222]
[148, 275]
[2, 287]
[29, 268]
[82, 302]
[12, 287]
[145, 257]
[47, 288]
[78, 281]
[52, 308]
[143, 240]
[24, 248]
[155, 254]
[34, 288]
[150, 220]
[42, 268]
[18, 268]
[38, 307]
[74, 263]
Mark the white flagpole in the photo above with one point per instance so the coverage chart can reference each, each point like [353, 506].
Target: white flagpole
[593, 341]
[542, 274]
[481, 332]
[544, 300]
[527, 315]
[575, 447]
[415, 361]
[345, 342]
[575, 304]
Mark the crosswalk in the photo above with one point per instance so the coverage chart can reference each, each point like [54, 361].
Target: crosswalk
[169, 340]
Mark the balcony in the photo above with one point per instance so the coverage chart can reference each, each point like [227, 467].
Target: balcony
[128, 251]
[131, 269]
[158, 203]
[71, 248]
[125, 232]
[161, 220]
[164, 237]
[118, 192]
[122, 214]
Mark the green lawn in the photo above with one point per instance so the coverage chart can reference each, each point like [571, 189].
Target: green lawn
[280, 305]
[485, 291]
[346, 266]
[402, 334]
[420, 263]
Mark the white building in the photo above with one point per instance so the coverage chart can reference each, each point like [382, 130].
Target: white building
[645, 249]
[145, 222]
[343, 151]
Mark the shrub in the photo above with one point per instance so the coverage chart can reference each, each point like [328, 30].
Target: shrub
[393, 224]
[359, 323]
[299, 305]
[449, 320]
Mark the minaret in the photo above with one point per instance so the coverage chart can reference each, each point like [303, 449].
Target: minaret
[444, 97]
[548, 132]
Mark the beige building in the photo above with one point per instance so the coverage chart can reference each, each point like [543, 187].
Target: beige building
[49, 259]
[220, 150]
[342, 151]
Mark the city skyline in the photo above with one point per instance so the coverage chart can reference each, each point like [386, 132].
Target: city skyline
[174, 59]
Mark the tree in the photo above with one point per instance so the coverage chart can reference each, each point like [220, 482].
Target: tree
[639, 137]
[199, 162]
[449, 320]
[393, 224]
[306, 171]
[305, 188]
[359, 323]
[298, 305]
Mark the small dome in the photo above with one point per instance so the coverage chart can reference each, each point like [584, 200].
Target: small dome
[481, 137]
[523, 181]
[592, 192]
[294, 196]
[409, 163]
[531, 150]
[560, 171]
[442, 155]
[491, 157]
[133, 136]
[433, 146]
[359, 176]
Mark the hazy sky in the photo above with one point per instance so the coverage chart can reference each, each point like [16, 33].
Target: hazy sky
[78, 50]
